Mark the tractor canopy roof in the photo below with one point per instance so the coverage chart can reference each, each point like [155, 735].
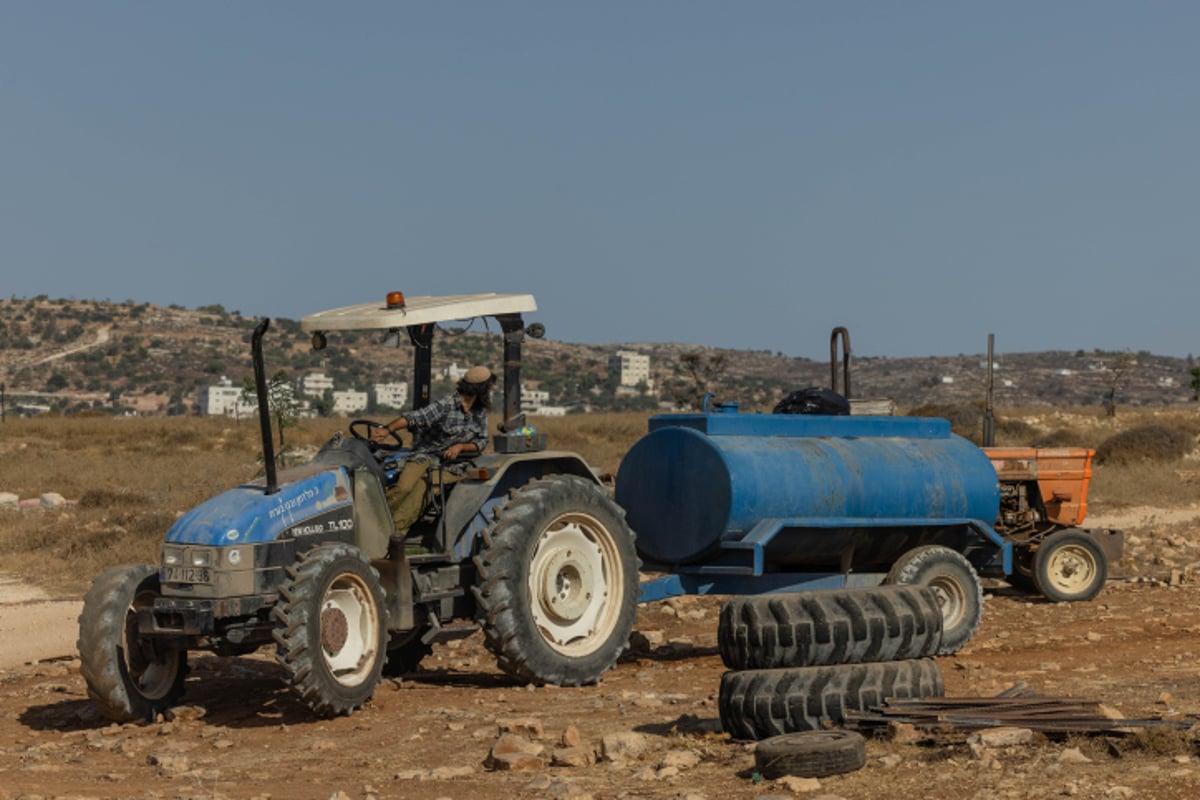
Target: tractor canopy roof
[417, 311]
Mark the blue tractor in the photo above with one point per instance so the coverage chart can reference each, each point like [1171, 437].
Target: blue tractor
[527, 547]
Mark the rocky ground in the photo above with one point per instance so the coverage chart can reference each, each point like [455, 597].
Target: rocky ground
[650, 730]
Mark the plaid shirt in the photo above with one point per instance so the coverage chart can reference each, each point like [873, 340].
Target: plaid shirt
[443, 423]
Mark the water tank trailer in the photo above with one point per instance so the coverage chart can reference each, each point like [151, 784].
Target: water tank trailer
[724, 502]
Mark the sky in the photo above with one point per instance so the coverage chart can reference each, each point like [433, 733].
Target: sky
[735, 174]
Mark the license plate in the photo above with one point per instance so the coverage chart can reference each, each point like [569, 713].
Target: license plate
[187, 575]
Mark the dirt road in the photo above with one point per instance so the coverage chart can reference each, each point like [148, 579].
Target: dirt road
[244, 736]
[33, 625]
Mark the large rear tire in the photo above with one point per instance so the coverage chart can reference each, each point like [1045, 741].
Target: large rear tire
[956, 584]
[1070, 566]
[759, 703]
[331, 635]
[558, 583]
[839, 626]
[129, 677]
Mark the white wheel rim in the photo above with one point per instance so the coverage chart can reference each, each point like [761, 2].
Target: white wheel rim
[1071, 568]
[574, 585]
[951, 599]
[349, 630]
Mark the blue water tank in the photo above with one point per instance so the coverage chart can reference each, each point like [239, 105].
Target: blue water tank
[698, 480]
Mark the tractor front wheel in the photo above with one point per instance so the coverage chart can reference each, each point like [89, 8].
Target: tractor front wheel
[1069, 566]
[558, 582]
[331, 633]
[130, 677]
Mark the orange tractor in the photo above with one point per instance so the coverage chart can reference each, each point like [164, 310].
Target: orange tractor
[1043, 500]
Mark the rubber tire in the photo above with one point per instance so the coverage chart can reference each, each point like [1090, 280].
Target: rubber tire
[810, 754]
[114, 672]
[1086, 547]
[405, 651]
[954, 579]
[298, 632]
[839, 626]
[540, 511]
[1021, 577]
[759, 703]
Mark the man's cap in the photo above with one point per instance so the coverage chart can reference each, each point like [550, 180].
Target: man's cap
[478, 374]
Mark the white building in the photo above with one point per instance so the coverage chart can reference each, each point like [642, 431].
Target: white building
[224, 400]
[549, 411]
[348, 401]
[533, 399]
[314, 384]
[454, 371]
[392, 395]
[631, 367]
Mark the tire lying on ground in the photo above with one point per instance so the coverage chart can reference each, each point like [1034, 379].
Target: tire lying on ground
[840, 626]
[956, 584]
[810, 754]
[756, 704]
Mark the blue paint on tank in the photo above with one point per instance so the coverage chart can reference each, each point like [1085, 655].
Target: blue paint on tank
[699, 482]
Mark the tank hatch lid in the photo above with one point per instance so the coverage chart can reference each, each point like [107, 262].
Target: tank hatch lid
[418, 310]
[813, 425]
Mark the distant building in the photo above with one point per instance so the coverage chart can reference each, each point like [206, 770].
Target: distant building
[549, 411]
[533, 399]
[391, 395]
[632, 368]
[314, 384]
[224, 400]
[348, 401]
[454, 371]
[947, 379]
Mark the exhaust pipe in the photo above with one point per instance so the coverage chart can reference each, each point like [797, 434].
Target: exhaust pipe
[264, 409]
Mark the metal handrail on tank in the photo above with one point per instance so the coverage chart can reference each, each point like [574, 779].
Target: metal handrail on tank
[839, 332]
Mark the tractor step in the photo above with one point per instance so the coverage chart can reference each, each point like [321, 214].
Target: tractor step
[449, 633]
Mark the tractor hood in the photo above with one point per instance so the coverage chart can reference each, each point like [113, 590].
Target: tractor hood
[310, 499]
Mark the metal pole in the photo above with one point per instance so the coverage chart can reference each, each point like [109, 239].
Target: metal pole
[2, 403]
[989, 413]
[264, 409]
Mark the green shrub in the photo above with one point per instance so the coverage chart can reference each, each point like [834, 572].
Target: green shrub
[1145, 443]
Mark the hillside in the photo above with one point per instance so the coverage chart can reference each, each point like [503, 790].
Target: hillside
[116, 357]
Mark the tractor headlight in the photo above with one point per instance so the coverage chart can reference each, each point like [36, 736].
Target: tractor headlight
[202, 558]
[172, 556]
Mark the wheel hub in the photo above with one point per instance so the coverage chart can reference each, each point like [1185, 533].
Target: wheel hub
[569, 585]
[1070, 567]
[334, 630]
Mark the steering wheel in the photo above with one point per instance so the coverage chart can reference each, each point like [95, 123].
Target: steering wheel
[371, 425]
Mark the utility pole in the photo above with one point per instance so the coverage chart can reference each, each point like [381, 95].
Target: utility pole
[2, 403]
[989, 413]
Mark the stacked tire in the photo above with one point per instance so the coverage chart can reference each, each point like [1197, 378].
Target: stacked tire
[799, 661]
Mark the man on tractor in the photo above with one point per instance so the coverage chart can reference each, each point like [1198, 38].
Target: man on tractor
[445, 431]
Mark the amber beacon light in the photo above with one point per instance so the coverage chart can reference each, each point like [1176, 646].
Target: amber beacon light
[395, 299]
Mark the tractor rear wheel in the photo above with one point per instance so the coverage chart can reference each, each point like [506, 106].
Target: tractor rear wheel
[332, 634]
[956, 584]
[558, 583]
[1069, 566]
[129, 677]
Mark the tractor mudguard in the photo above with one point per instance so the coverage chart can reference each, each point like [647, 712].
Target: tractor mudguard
[497, 474]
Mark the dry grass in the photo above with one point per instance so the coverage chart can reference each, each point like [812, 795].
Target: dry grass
[131, 478]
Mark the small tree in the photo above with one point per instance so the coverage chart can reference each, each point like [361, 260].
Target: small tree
[1116, 373]
[700, 373]
[281, 400]
[1195, 384]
